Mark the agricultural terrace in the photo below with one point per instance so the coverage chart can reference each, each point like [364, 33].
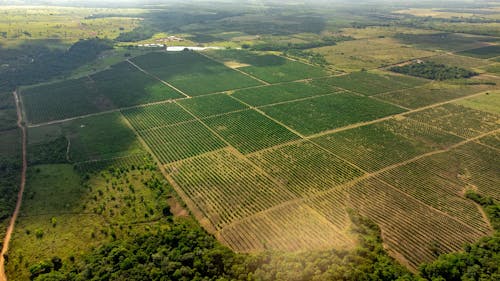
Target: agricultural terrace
[192, 73]
[270, 68]
[325, 113]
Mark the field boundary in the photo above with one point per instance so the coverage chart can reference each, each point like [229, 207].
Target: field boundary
[10, 228]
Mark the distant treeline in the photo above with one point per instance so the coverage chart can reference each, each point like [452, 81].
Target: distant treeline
[434, 71]
[326, 41]
[33, 64]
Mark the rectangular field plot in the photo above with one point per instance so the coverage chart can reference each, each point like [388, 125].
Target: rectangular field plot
[210, 105]
[249, 131]
[428, 180]
[445, 41]
[193, 73]
[329, 112]
[379, 145]
[157, 115]
[62, 100]
[304, 168]
[433, 93]
[354, 55]
[491, 140]
[294, 227]
[368, 83]
[91, 138]
[270, 68]
[411, 230]
[125, 85]
[458, 61]
[122, 85]
[463, 121]
[281, 93]
[136, 161]
[226, 187]
[181, 141]
[489, 102]
[484, 52]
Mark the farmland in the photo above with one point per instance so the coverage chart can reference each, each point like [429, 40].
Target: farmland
[329, 112]
[285, 150]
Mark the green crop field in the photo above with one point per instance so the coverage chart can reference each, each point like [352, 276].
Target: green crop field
[122, 85]
[226, 187]
[211, 105]
[282, 92]
[484, 52]
[433, 93]
[270, 68]
[158, 115]
[305, 168]
[98, 137]
[281, 144]
[329, 112]
[181, 141]
[460, 120]
[249, 131]
[368, 83]
[383, 144]
[193, 73]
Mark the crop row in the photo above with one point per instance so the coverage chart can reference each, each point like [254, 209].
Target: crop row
[304, 168]
[158, 115]
[382, 144]
[128, 162]
[181, 141]
[226, 187]
[411, 229]
[294, 227]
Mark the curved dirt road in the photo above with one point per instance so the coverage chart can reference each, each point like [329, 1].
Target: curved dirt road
[10, 228]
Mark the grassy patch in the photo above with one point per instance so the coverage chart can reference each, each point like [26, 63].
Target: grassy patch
[329, 112]
[249, 131]
[98, 137]
[488, 102]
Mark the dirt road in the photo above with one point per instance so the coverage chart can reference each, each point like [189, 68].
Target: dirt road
[10, 228]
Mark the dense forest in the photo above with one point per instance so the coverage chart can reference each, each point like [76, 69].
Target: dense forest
[434, 71]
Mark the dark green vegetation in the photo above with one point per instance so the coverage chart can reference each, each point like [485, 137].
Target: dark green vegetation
[484, 52]
[98, 137]
[193, 73]
[169, 253]
[270, 68]
[434, 71]
[32, 63]
[329, 112]
[157, 115]
[478, 261]
[211, 105]
[122, 85]
[368, 83]
[445, 41]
